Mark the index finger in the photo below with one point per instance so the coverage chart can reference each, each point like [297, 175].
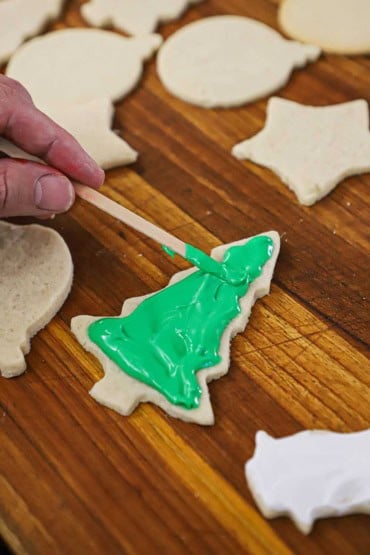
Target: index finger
[31, 130]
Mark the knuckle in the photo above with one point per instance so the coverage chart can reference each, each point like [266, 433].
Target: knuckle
[11, 90]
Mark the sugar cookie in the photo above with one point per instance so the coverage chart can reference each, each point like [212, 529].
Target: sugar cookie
[36, 278]
[338, 26]
[311, 475]
[90, 123]
[167, 346]
[135, 17]
[21, 19]
[74, 75]
[311, 148]
[225, 61]
[74, 66]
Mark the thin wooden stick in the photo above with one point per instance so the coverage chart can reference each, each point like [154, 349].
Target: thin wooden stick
[131, 219]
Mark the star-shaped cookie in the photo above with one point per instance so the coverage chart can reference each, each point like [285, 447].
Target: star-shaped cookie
[311, 148]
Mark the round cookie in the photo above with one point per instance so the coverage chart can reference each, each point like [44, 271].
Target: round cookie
[337, 26]
[225, 61]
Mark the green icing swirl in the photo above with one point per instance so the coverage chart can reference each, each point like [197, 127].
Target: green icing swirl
[176, 332]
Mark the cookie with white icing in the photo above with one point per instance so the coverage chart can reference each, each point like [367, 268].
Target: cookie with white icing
[21, 19]
[311, 149]
[170, 340]
[36, 278]
[337, 26]
[75, 75]
[135, 17]
[225, 61]
[311, 475]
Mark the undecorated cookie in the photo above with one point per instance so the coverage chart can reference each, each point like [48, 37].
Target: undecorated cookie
[20, 19]
[135, 17]
[74, 75]
[75, 66]
[338, 26]
[311, 475]
[166, 347]
[90, 123]
[311, 148]
[225, 61]
[36, 278]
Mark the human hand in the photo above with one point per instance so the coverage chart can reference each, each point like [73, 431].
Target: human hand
[33, 189]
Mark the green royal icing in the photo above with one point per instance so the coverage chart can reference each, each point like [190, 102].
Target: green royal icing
[168, 251]
[176, 332]
[232, 274]
[208, 265]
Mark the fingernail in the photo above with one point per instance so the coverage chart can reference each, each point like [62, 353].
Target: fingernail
[54, 193]
[94, 173]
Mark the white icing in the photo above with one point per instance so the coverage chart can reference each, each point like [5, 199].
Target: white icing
[311, 475]
[311, 148]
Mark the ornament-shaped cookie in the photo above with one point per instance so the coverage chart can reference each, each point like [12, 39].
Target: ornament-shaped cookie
[36, 278]
[311, 149]
[166, 347]
[225, 61]
[337, 26]
[80, 73]
[21, 19]
[311, 475]
[135, 17]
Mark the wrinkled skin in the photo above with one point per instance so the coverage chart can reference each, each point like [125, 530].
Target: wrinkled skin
[33, 189]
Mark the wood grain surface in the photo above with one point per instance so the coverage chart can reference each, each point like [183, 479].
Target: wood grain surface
[77, 478]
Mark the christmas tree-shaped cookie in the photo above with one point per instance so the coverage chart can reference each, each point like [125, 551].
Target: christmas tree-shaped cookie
[165, 347]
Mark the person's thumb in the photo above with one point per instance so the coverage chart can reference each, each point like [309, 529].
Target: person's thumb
[32, 189]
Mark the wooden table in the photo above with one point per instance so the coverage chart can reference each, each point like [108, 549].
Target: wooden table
[77, 478]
